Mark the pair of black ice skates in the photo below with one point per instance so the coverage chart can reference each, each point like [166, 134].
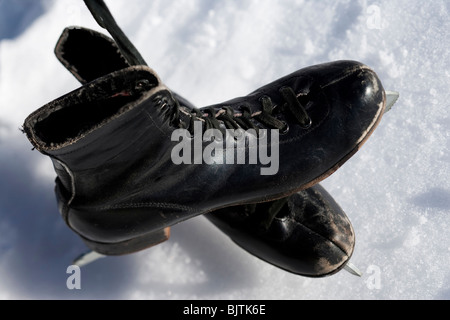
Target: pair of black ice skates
[118, 187]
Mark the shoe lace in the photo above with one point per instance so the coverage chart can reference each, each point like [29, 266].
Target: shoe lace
[225, 116]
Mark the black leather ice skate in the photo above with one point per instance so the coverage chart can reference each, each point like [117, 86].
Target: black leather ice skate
[306, 234]
[111, 144]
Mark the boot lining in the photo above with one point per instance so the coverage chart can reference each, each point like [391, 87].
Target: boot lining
[73, 121]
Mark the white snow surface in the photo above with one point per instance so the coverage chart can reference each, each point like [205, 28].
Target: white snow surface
[395, 190]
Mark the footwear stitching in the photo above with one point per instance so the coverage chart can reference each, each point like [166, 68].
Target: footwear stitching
[146, 204]
[347, 73]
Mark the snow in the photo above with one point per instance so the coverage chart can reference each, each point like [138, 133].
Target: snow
[395, 190]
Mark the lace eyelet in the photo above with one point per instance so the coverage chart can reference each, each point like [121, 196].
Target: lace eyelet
[307, 125]
[285, 129]
[142, 85]
[283, 88]
[264, 97]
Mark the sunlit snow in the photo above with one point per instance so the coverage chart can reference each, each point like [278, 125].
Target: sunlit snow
[395, 190]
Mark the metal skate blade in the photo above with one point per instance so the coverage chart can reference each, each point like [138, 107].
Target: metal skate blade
[87, 258]
[391, 99]
[350, 267]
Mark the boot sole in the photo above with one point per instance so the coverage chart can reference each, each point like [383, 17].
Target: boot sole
[129, 246]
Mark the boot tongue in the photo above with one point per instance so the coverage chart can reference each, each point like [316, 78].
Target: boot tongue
[88, 54]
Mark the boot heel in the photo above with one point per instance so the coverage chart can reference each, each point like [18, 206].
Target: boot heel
[133, 245]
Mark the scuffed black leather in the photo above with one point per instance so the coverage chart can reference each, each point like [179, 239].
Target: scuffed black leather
[116, 180]
[309, 236]
[123, 182]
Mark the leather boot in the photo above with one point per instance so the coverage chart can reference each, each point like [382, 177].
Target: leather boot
[111, 143]
[307, 233]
